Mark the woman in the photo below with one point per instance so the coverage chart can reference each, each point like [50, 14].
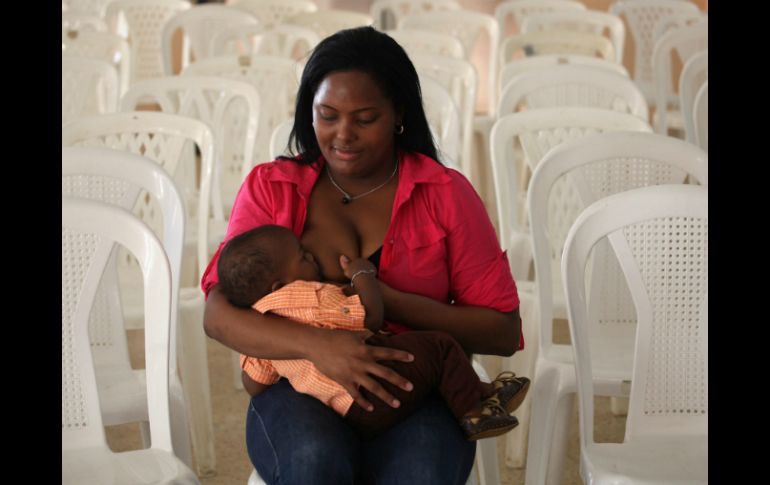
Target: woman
[366, 183]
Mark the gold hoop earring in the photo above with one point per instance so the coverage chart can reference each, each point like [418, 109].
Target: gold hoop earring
[399, 129]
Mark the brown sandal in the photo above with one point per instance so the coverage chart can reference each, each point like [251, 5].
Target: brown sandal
[510, 390]
[493, 421]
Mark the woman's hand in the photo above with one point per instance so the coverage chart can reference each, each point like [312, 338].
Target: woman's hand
[344, 357]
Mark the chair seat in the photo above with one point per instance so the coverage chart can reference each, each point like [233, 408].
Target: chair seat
[102, 466]
[670, 460]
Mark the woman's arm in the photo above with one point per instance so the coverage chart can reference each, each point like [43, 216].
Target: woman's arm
[479, 330]
[339, 354]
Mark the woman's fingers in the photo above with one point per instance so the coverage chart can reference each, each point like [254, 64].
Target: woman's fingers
[376, 388]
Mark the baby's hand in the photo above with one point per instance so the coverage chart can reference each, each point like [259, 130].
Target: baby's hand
[352, 267]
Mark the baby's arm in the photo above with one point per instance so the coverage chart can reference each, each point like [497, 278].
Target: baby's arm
[363, 278]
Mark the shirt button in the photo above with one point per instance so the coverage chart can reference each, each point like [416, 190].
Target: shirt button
[345, 310]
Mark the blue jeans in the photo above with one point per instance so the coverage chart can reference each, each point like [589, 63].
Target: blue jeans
[293, 438]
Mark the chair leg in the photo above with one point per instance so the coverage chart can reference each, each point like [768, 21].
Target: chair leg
[619, 406]
[542, 392]
[560, 439]
[194, 370]
[486, 460]
[180, 433]
[523, 364]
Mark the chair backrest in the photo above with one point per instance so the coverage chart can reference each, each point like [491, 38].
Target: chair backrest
[591, 21]
[694, 74]
[579, 172]
[518, 10]
[88, 86]
[82, 22]
[458, 77]
[160, 137]
[467, 26]
[279, 140]
[287, 41]
[572, 85]
[97, 8]
[685, 41]
[103, 46]
[231, 108]
[429, 43]
[537, 131]
[328, 22]
[443, 119]
[272, 13]
[387, 13]
[144, 20]
[524, 64]
[701, 116]
[641, 18]
[660, 237]
[198, 25]
[123, 179]
[275, 81]
[560, 42]
[90, 229]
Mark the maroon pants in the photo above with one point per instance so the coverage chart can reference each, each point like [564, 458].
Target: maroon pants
[439, 364]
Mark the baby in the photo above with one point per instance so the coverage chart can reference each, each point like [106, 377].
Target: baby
[268, 269]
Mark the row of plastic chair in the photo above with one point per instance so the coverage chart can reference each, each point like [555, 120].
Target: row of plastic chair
[92, 229]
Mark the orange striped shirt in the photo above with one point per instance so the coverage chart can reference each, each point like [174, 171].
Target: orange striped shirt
[312, 303]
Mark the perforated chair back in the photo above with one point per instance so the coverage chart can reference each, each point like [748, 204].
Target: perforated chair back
[272, 13]
[88, 86]
[660, 237]
[327, 22]
[387, 13]
[198, 25]
[103, 46]
[591, 21]
[517, 11]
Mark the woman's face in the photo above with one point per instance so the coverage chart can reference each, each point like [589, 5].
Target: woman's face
[354, 124]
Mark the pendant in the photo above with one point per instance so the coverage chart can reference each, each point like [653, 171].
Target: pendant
[346, 199]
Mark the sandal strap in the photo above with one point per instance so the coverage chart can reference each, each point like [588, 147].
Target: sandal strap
[493, 404]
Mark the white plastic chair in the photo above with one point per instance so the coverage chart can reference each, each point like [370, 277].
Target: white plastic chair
[701, 116]
[89, 231]
[537, 131]
[559, 42]
[328, 22]
[230, 107]
[88, 86]
[274, 79]
[572, 85]
[569, 178]
[666, 436]
[121, 179]
[103, 46]
[162, 138]
[443, 119]
[428, 43]
[485, 469]
[518, 10]
[82, 22]
[287, 41]
[96, 8]
[641, 18]
[144, 21]
[279, 140]
[272, 13]
[387, 13]
[581, 21]
[685, 41]
[198, 25]
[458, 77]
[525, 64]
[467, 26]
[694, 74]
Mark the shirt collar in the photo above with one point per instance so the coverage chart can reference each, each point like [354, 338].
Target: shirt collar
[297, 294]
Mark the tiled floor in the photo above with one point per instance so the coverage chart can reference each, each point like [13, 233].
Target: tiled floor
[229, 407]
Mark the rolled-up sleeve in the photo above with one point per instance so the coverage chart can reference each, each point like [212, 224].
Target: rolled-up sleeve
[479, 270]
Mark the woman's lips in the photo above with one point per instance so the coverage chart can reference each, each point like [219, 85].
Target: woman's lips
[346, 155]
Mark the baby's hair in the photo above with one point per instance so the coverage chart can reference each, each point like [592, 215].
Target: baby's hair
[247, 265]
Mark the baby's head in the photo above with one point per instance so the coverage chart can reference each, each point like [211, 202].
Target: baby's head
[260, 261]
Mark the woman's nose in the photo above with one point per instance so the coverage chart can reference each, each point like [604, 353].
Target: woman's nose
[346, 131]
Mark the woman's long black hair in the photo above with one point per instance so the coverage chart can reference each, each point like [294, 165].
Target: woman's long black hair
[368, 50]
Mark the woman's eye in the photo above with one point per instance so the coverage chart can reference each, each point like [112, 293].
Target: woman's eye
[367, 121]
[326, 118]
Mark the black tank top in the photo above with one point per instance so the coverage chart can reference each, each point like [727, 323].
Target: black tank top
[375, 258]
